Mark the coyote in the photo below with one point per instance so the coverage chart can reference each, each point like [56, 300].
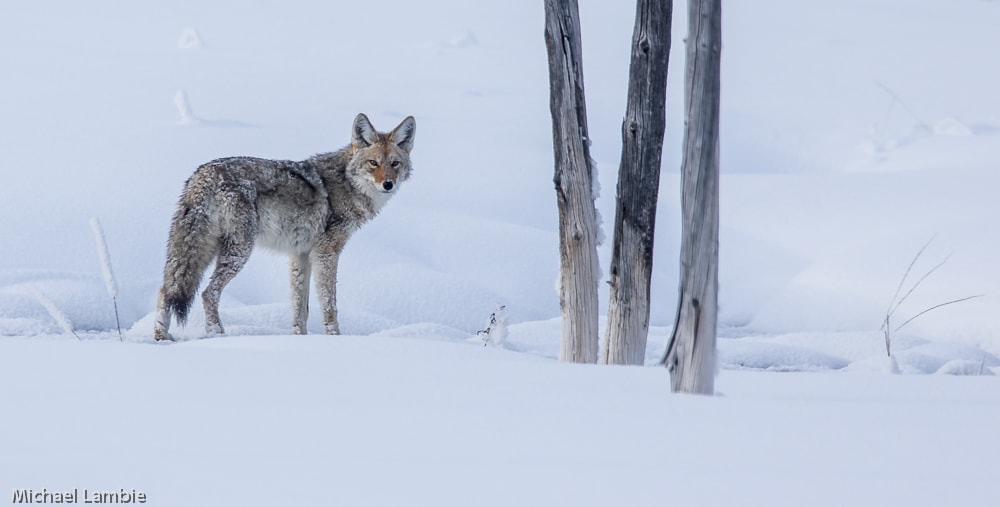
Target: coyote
[307, 209]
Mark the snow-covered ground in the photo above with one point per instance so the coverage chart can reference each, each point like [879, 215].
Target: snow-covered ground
[375, 420]
[852, 134]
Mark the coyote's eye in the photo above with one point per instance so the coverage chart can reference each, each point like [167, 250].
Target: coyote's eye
[373, 163]
[395, 163]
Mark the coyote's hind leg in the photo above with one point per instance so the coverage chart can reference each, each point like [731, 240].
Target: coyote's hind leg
[162, 325]
[232, 257]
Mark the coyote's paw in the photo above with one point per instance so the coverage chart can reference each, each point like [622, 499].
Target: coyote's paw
[162, 336]
[331, 328]
[214, 329]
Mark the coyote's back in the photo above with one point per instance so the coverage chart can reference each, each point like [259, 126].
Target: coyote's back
[307, 209]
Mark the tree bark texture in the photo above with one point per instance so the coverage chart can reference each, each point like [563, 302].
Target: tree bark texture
[579, 266]
[638, 185]
[691, 353]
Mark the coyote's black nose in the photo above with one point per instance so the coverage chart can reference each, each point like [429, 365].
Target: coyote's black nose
[387, 185]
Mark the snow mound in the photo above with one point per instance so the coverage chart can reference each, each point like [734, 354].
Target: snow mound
[425, 330]
[462, 40]
[539, 338]
[746, 354]
[933, 357]
[952, 127]
[189, 39]
[28, 299]
[963, 367]
[466, 39]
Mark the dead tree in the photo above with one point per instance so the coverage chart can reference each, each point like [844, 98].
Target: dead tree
[573, 179]
[638, 185]
[691, 353]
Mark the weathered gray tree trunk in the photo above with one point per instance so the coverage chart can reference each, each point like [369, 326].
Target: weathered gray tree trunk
[691, 353]
[574, 175]
[638, 185]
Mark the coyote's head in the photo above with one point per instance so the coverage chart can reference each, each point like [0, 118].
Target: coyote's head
[380, 161]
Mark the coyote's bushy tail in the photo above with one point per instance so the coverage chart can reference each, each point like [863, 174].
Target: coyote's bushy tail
[190, 249]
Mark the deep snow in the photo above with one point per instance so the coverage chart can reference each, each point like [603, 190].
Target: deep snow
[852, 134]
[373, 420]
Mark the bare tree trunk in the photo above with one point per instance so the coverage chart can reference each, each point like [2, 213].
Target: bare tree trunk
[573, 179]
[691, 353]
[638, 185]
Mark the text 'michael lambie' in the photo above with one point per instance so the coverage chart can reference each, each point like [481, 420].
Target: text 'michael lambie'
[78, 496]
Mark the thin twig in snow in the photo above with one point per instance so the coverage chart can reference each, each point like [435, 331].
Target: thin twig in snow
[53, 310]
[902, 281]
[922, 278]
[897, 301]
[109, 276]
[900, 101]
[937, 306]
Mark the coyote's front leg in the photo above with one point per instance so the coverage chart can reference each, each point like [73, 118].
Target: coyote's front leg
[299, 268]
[326, 256]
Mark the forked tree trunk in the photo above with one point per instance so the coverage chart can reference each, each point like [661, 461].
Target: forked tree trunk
[691, 353]
[638, 185]
[574, 184]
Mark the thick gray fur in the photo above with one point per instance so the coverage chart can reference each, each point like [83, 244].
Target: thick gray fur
[307, 209]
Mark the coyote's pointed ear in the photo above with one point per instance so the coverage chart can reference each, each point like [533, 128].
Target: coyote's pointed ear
[362, 133]
[403, 134]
